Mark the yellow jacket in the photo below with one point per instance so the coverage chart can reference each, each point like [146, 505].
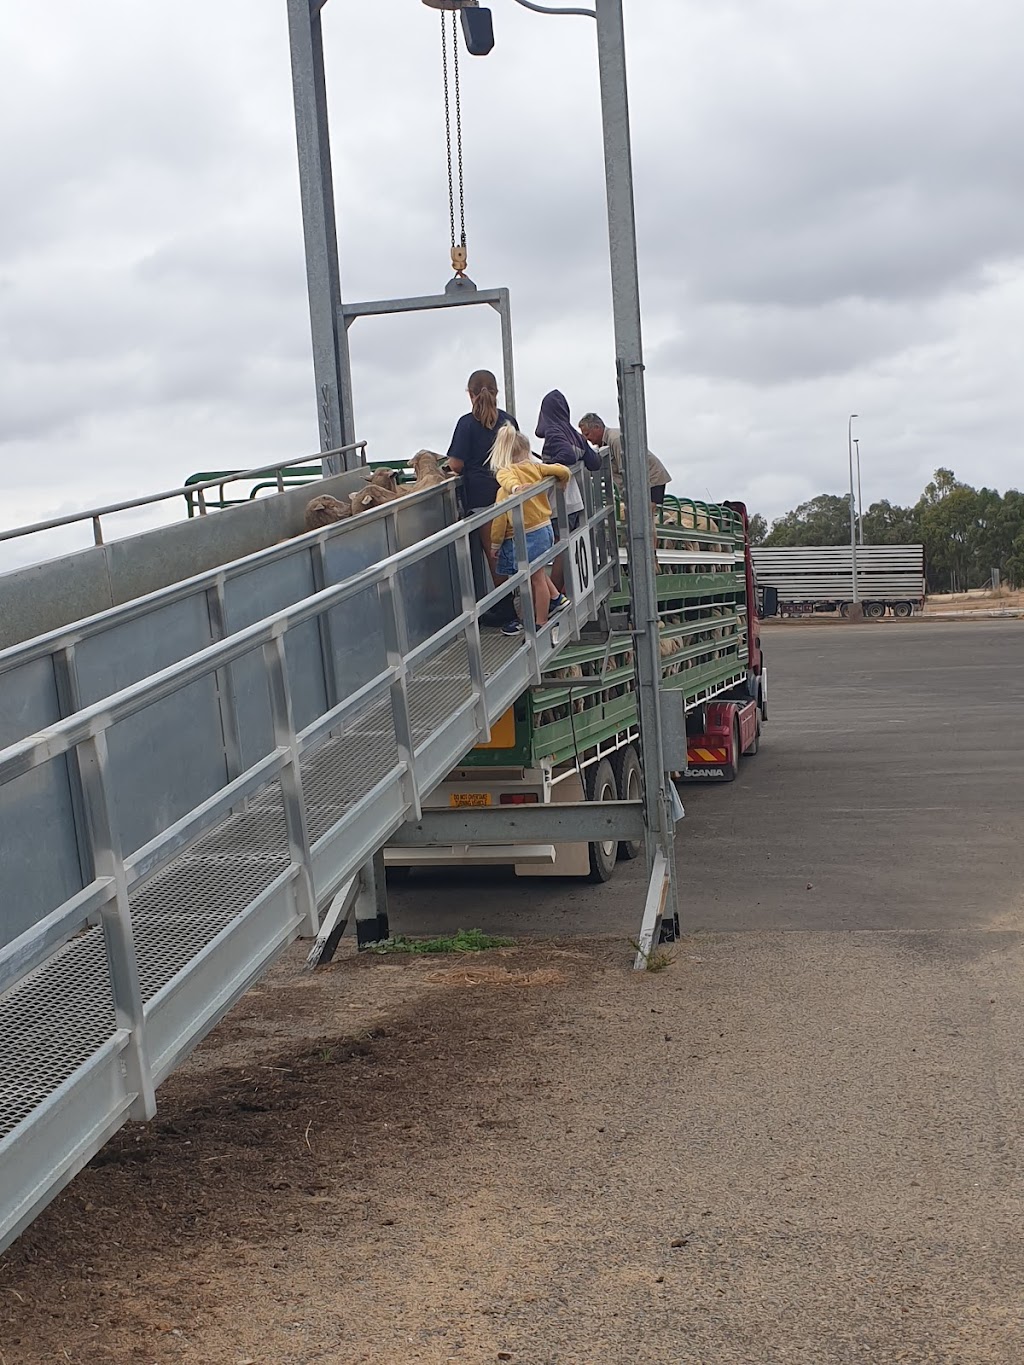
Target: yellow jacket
[536, 511]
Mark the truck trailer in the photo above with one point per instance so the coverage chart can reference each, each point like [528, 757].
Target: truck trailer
[574, 737]
[819, 578]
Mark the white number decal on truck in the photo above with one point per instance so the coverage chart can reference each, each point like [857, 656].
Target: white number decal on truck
[582, 568]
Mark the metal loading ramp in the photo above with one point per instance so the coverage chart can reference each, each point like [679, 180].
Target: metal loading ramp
[182, 906]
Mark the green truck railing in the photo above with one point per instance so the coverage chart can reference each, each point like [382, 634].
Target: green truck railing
[589, 697]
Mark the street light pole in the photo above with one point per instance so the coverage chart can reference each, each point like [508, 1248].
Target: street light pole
[853, 512]
[860, 498]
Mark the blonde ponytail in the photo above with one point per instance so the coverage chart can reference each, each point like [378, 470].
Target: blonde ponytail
[510, 447]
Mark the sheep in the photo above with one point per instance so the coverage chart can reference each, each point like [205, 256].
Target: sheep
[324, 511]
[381, 487]
[427, 467]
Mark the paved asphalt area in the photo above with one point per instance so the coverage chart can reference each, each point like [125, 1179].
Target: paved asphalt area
[843, 1092]
[888, 794]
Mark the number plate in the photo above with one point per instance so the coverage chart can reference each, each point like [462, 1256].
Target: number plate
[470, 798]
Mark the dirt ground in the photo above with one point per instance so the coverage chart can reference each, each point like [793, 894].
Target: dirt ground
[982, 597]
[782, 1148]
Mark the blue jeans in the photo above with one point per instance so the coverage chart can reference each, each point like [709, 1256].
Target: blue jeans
[536, 543]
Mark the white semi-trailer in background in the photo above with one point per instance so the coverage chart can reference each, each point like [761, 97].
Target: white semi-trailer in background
[819, 578]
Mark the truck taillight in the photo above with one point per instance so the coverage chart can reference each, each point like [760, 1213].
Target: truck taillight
[518, 799]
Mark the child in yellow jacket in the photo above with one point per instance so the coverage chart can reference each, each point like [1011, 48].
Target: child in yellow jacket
[515, 469]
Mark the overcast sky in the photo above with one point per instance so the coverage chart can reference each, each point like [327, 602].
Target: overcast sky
[830, 205]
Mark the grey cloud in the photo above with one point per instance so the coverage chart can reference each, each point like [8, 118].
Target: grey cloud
[773, 344]
[829, 207]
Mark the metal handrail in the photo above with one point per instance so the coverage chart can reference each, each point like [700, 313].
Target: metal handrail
[88, 728]
[64, 637]
[63, 735]
[95, 513]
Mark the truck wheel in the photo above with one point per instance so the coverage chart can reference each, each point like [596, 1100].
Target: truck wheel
[756, 743]
[629, 781]
[732, 769]
[844, 608]
[601, 787]
[903, 609]
[874, 611]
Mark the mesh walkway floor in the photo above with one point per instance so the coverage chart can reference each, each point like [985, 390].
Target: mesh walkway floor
[61, 1014]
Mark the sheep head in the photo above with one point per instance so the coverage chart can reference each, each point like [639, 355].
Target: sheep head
[382, 478]
[426, 462]
[323, 511]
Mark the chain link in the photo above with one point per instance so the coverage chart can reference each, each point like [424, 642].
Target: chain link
[448, 127]
[458, 132]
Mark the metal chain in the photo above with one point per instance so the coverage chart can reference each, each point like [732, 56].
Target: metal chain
[458, 133]
[448, 128]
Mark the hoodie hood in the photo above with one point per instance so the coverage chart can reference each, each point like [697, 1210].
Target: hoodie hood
[554, 415]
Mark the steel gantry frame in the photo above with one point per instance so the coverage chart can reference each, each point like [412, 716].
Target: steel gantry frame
[330, 318]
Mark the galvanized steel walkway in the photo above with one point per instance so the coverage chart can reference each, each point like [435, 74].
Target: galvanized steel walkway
[93, 1016]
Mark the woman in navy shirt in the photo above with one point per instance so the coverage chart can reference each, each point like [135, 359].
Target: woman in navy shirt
[471, 449]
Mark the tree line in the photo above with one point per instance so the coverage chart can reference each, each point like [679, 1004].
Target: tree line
[966, 532]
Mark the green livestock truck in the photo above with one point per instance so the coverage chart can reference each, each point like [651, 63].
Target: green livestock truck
[574, 737]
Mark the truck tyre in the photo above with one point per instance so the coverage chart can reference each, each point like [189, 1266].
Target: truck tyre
[844, 608]
[731, 770]
[629, 782]
[903, 609]
[756, 744]
[874, 611]
[601, 787]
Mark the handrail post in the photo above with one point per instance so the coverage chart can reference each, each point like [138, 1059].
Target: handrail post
[217, 612]
[397, 646]
[477, 673]
[276, 664]
[529, 616]
[318, 552]
[69, 700]
[97, 531]
[116, 918]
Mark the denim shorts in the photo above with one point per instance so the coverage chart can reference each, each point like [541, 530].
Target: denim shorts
[536, 543]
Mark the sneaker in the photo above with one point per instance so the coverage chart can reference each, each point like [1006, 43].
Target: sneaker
[559, 603]
[512, 628]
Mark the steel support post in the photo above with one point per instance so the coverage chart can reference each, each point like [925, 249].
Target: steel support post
[630, 372]
[507, 363]
[116, 918]
[372, 903]
[331, 364]
[290, 779]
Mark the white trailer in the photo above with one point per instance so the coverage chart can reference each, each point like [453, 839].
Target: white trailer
[819, 578]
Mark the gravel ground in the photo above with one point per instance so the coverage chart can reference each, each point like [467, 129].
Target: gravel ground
[800, 1143]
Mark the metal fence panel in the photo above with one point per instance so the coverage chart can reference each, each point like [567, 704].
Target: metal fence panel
[166, 760]
[249, 597]
[124, 653]
[428, 589]
[35, 811]
[39, 863]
